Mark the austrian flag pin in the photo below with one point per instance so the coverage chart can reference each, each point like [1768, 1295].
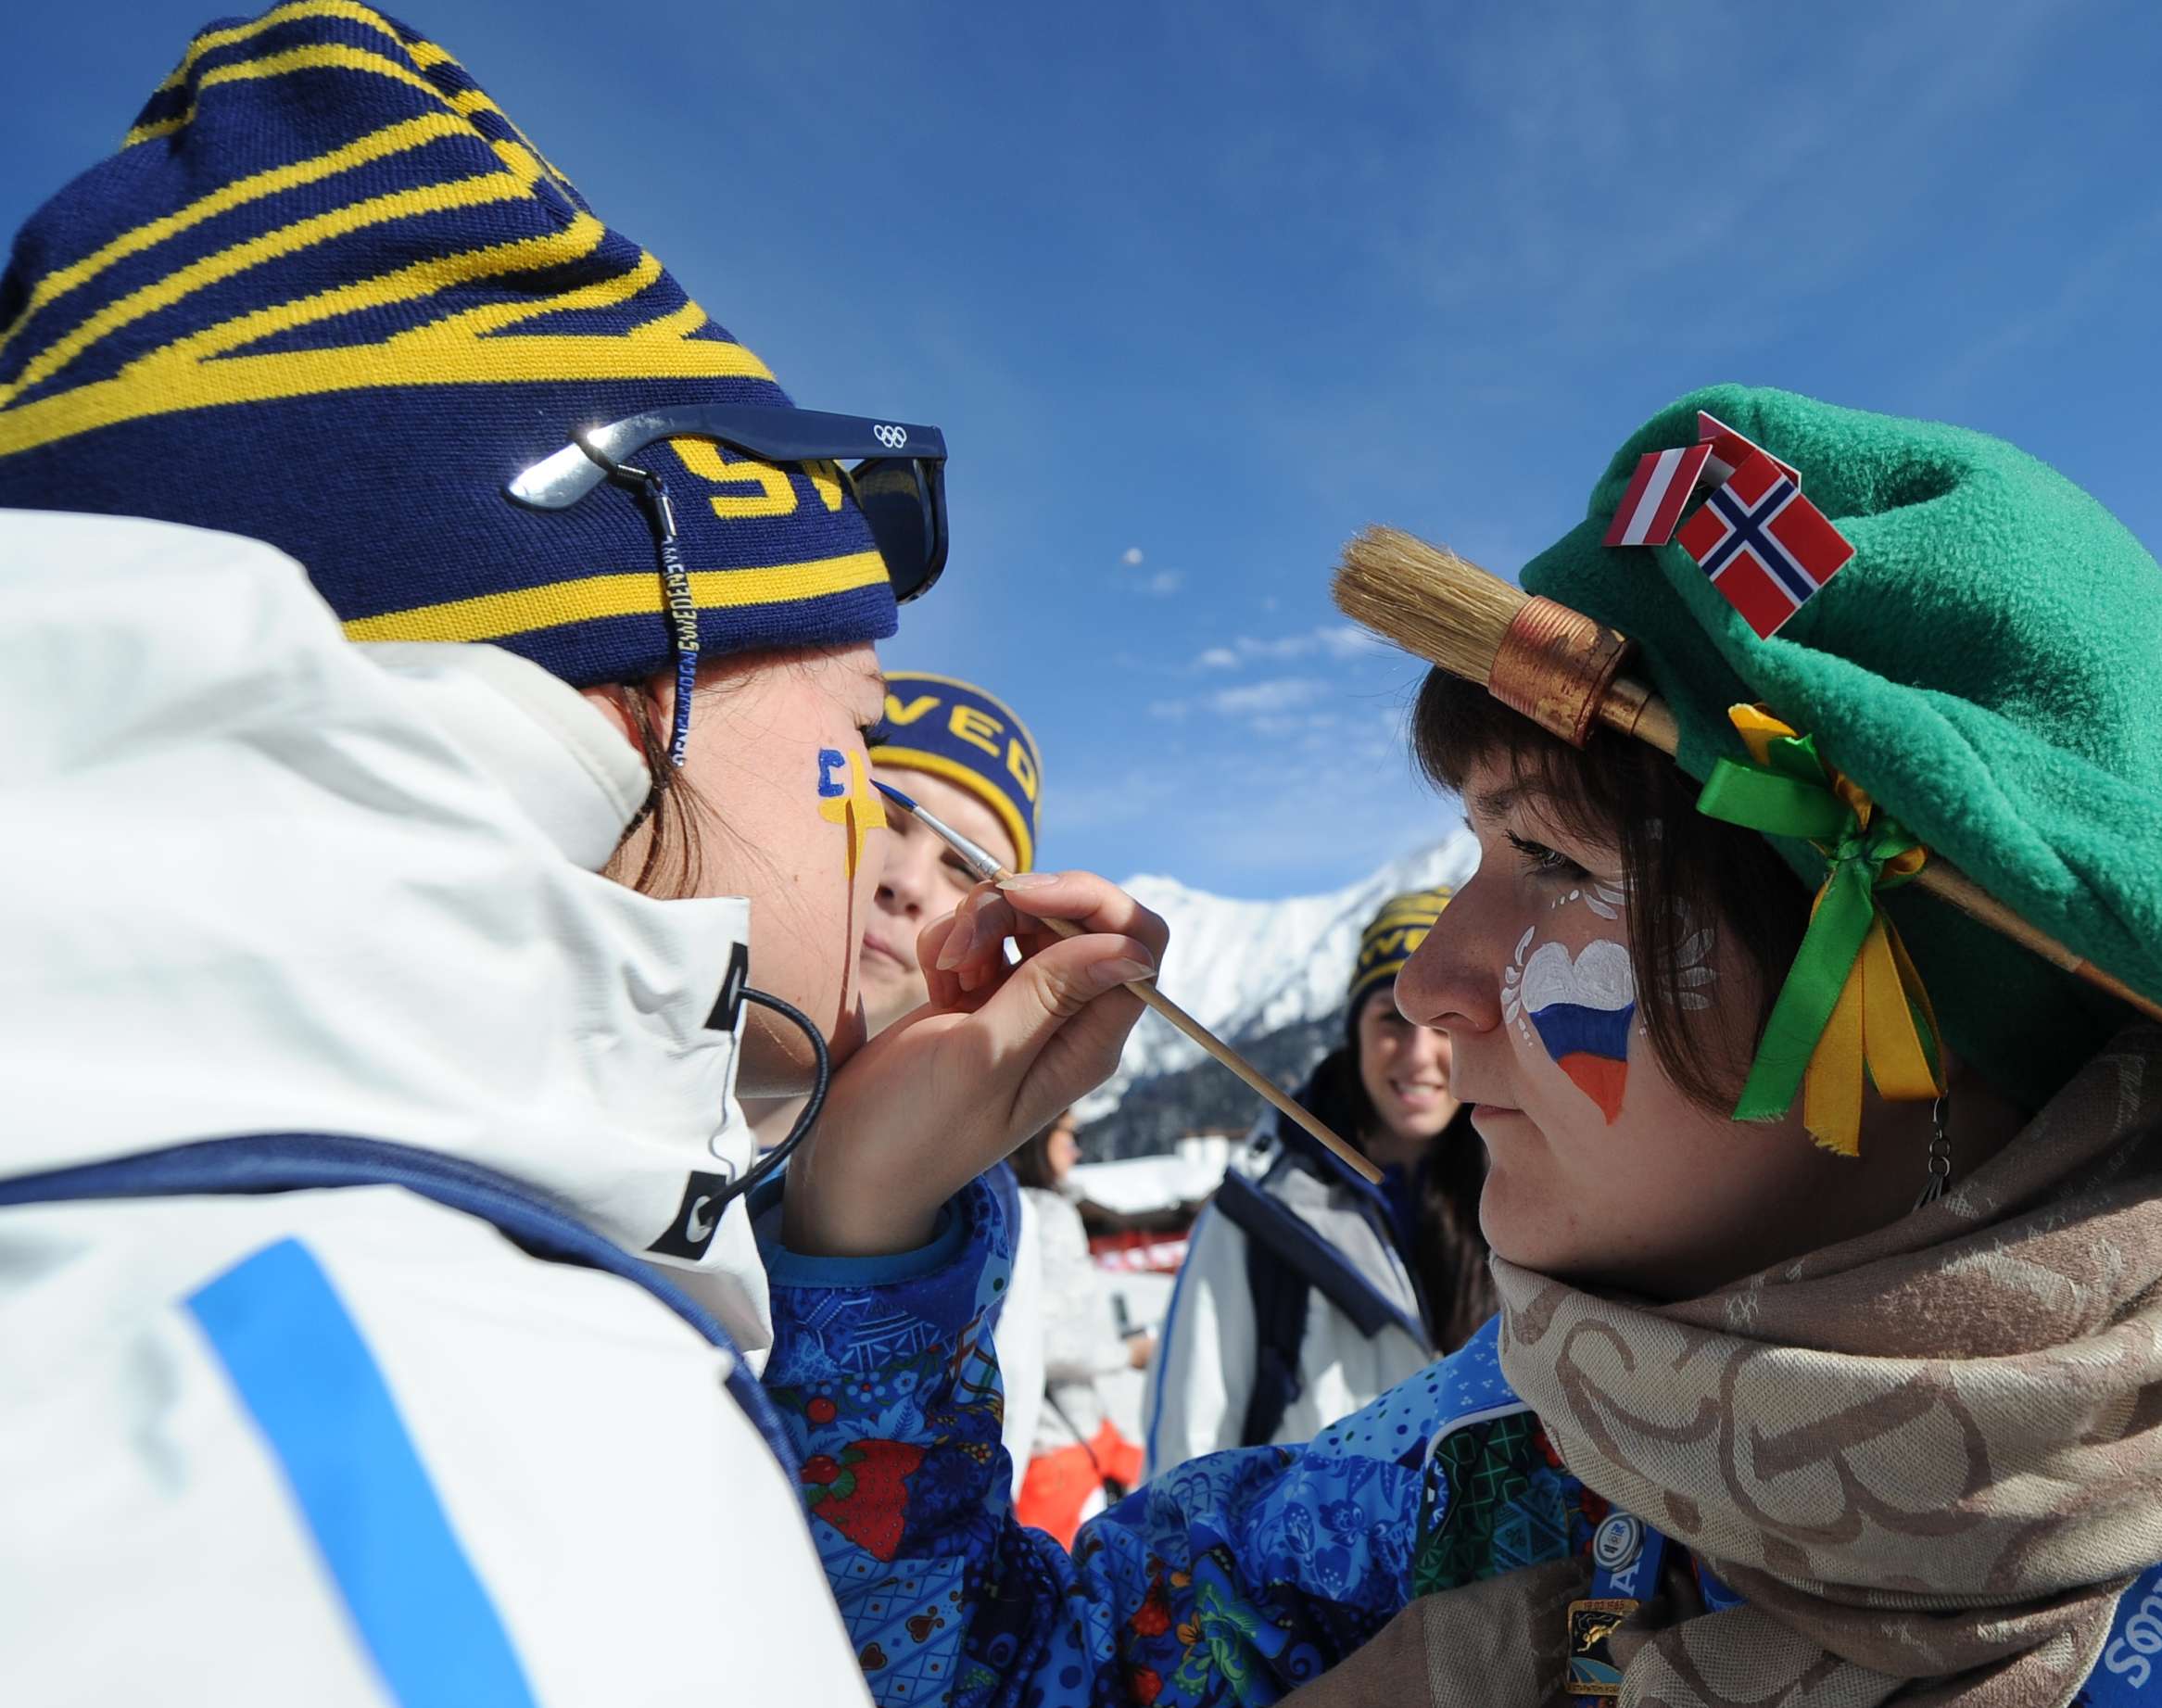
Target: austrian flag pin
[1658, 493]
[1763, 545]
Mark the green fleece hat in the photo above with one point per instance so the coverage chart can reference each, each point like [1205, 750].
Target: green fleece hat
[1988, 667]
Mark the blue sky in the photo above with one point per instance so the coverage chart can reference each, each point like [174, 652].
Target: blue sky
[1196, 291]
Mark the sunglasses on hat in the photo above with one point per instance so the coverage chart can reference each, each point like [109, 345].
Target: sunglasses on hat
[899, 485]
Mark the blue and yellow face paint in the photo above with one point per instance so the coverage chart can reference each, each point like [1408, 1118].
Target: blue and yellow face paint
[847, 798]
[955, 730]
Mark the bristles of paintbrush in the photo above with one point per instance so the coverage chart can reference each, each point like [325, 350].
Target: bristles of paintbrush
[1427, 599]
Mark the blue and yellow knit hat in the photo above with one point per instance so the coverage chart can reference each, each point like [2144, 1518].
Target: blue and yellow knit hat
[1392, 937]
[329, 296]
[960, 733]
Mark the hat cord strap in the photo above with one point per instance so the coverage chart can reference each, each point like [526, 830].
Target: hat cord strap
[681, 606]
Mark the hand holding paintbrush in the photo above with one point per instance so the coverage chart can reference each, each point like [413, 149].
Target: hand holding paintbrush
[986, 869]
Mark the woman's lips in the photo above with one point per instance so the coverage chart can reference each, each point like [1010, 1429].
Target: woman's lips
[878, 945]
[1485, 1115]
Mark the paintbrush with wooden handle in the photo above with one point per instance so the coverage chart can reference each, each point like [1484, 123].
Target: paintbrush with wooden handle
[986, 869]
[1564, 671]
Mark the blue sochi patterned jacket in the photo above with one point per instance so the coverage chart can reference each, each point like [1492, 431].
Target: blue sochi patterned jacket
[1232, 1578]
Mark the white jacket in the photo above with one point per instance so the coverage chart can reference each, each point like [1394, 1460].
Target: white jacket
[347, 1445]
[1364, 1330]
[1079, 1339]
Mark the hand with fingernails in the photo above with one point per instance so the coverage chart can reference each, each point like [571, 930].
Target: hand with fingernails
[996, 1054]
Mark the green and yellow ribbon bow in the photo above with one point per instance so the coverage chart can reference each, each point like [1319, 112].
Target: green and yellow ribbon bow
[1852, 1002]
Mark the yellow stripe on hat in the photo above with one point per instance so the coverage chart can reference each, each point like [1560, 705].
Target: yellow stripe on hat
[493, 616]
[469, 101]
[159, 294]
[376, 146]
[211, 41]
[1402, 925]
[982, 693]
[975, 783]
[322, 56]
[331, 56]
[183, 376]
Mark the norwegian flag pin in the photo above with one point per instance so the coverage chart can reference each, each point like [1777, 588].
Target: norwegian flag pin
[1765, 547]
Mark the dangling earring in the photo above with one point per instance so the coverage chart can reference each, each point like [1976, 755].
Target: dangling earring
[1940, 1160]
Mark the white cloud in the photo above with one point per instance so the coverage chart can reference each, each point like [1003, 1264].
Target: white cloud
[1345, 640]
[1314, 726]
[1336, 642]
[1163, 584]
[1130, 557]
[1169, 711]
[1275, 696]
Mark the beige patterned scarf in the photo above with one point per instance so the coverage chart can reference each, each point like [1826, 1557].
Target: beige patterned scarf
[1929, 1454]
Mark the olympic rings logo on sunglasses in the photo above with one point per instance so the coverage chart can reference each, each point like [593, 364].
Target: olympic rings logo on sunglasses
[903, 499]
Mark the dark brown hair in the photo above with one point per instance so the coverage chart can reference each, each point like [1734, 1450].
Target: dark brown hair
[674, 859]
[1032, 1163]
[1681, 870]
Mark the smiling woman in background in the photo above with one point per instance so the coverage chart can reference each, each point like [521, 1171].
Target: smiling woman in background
[1309, 1293]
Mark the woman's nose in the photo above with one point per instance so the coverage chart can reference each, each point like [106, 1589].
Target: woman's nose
[1453, 980]
[905, 881]
[1426, 1047]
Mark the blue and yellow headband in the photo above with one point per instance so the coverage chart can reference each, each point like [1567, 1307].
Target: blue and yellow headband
[958, 732]
[1392, 938]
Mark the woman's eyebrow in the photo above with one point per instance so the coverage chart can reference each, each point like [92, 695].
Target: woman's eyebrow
[1495, 802]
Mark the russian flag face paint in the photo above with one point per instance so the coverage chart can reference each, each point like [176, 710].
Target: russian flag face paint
[1580, 1009]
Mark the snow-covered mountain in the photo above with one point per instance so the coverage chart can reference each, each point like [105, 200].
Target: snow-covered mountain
[1249, 969]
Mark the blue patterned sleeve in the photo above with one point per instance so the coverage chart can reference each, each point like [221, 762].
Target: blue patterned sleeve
[1231, 1579]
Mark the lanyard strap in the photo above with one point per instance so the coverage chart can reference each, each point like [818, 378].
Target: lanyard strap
[1627, 1556]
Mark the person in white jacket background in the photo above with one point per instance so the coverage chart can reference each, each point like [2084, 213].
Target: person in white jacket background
[1077, 1459]
[376, 1268]
[1308, 1292]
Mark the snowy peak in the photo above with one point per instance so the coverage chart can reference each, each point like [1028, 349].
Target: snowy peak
[1245, 969]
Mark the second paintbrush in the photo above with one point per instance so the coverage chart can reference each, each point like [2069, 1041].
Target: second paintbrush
[987, 869]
